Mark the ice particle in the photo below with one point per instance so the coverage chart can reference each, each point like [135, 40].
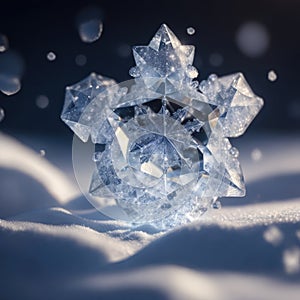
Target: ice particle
[217, 204]
[273, 235]
[42, 152]
[9, 85]
[11, 71]
[190, 30]
[291, 260]
[256, 154]
[89, 24]
[272, 76]
[134, 72]
[90, 31]
[51, 56]
[191, 71]
[3, 43]
[42, 101]
[234, 152]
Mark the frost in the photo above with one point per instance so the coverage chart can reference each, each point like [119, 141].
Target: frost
[42, 152]
[90, 24]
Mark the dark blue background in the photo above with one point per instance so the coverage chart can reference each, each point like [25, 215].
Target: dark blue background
[36, 27]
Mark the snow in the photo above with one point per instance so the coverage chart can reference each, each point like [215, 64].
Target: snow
[55, 245]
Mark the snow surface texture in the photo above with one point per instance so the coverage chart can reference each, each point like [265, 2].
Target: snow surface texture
[54, 245]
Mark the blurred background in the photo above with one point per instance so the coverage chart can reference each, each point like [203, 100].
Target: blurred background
[46, 45]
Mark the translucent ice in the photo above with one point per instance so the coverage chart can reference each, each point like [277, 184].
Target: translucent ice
[11, 70]
[9, 85]
[162, 149]
[90, 24]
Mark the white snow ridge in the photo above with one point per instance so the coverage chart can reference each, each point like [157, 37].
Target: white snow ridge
[54, 245]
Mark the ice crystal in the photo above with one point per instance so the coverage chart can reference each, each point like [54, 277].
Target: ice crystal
[51, 56]
[161, 146]
[272, 76]
[190, 30]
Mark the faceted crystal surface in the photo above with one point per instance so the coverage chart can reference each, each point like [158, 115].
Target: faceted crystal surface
[161, 145]
[77, 98]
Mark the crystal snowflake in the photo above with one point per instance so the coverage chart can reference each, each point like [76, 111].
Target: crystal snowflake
[161, 144]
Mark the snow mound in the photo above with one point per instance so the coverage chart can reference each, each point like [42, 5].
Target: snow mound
[55, 245]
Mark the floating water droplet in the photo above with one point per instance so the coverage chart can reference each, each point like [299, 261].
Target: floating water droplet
[9, 85]
[273, 235]
[89, 24]
[190, 30]
[51, 56]
[2, 114]
[253, 39]
[90, 31]
[234, 152]
[11, 70]
[3, 43]
[291, 260]
[191, 71]
[134, 72]
[256, 154]
[42, 152]
[216, 59]
[42, 101]
[80, 60]
[272, 76]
